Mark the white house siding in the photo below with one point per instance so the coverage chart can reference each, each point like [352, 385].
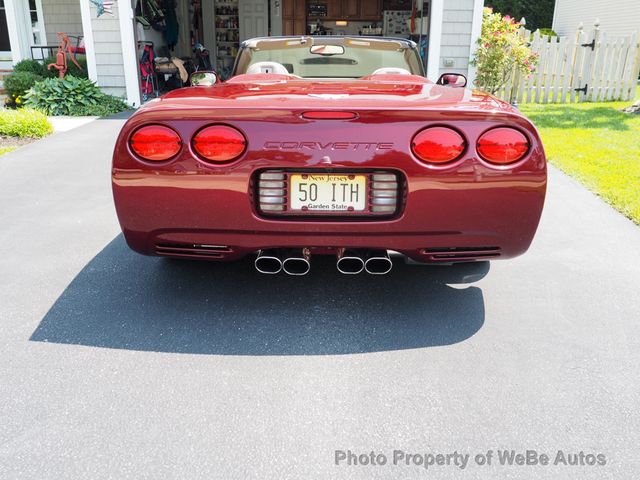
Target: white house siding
[108, 51]
[61, 16]
[618, 18]
[455, 46]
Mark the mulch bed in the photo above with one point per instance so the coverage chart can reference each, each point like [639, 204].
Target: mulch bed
[14, 141]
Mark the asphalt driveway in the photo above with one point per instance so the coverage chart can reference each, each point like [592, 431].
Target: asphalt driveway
[114, 365]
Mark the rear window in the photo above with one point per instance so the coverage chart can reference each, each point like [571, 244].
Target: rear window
[346, 58]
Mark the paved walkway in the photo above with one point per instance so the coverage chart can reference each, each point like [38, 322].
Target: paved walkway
[64, 124]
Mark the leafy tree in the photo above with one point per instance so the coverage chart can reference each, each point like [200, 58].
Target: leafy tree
[537, 13]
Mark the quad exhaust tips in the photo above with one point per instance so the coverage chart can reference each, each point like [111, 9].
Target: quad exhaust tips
[271, 262]
[378, 262]
[298, 262]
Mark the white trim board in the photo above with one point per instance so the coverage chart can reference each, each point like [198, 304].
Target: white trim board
[476, 31]
[87, 32]
[129, 52]
[435, 39]
[14, 12]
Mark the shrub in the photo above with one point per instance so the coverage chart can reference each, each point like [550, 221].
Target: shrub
[72, 70]
[106, 106]
[545, 32]
[24, 123]
[31, 66]
[501, 50]
[548, 32]
[71, 96]
[17, 84]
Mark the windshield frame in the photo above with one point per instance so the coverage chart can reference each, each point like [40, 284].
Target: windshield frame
[307, 41]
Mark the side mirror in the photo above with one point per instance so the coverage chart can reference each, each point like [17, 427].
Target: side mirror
[452, 80]
[203, 78]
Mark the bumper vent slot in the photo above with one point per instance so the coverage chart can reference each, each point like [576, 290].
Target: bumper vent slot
[461, 253]
[192, 251]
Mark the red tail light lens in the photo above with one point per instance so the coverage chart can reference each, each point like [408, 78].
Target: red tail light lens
[219, 143]
[502, 145]
[438, 145]
[155, 143]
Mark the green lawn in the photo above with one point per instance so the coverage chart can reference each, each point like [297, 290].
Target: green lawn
[597, 144]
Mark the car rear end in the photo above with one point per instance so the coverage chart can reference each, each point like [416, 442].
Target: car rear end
[438, 185]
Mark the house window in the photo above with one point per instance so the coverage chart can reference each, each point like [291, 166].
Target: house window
[36, 25]
[5, 44]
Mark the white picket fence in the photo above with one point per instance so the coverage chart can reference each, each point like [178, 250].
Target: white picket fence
[591, 67]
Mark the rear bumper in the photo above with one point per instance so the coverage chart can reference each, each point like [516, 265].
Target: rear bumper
[462, 216]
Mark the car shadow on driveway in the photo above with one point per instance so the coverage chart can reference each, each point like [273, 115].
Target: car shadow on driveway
[126, 301]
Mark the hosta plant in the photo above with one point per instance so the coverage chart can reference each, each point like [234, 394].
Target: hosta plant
[72, 96]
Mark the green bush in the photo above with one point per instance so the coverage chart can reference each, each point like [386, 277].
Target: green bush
[72, 70]
[17, 84]
[72, 96]
[31, 66]
[548, 32]
[106, 106]
[24, 123]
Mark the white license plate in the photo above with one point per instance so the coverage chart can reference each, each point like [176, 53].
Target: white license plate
[327, 193]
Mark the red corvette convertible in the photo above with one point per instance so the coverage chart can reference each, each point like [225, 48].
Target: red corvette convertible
[329, 146]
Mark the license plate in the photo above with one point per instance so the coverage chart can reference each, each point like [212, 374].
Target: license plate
[327, 193]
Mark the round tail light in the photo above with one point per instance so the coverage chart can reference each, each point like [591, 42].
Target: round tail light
[502, 145]
[219, 143]
[438, 145]
[155, 143]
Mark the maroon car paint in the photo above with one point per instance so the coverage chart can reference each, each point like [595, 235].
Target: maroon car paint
[468, 203]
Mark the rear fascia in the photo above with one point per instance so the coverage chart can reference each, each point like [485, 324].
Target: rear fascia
[466, 203]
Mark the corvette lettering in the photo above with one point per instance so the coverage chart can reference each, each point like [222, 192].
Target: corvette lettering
[327, 146]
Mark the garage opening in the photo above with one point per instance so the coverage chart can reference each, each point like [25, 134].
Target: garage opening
[177, 37]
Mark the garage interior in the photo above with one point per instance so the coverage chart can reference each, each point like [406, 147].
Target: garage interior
[177, 37]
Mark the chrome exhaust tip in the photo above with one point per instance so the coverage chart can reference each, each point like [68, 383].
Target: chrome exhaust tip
[268, 262]
[378, 263]
[296, 266]
[297, 263]
[350, 263]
